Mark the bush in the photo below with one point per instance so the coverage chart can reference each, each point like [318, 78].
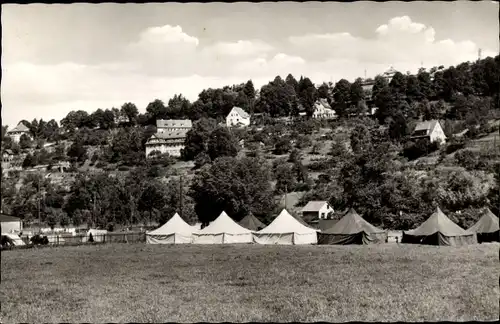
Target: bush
[422, 147]
[123, 168]
[455, 145]
[101, 165]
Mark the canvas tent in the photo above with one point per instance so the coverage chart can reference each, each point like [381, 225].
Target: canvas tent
[286, 229]
[174, 231]
[252, 223]
[486, 227]
[223, 230]
[438, 229]
[352, 229]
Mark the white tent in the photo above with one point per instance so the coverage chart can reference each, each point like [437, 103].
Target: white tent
[286, 229]
[223, 230]
[174, 231]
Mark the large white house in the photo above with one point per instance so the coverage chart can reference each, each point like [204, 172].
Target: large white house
[429, 129]
[169, 137]
[17, 132]
[323, 110]
[237, 116]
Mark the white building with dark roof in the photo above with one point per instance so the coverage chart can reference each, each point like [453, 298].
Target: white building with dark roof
[17, 132]
[237, 117]
[431, 130]
[315, 210]
[323, 110]
[169, 137]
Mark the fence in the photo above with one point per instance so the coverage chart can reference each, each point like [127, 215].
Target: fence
[111, 237]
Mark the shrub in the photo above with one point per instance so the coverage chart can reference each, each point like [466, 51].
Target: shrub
[123, 168]
[101, 165]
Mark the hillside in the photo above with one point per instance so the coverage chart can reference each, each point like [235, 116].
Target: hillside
[371, 162]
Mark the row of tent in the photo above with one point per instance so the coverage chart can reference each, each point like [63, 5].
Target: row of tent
[438, 229]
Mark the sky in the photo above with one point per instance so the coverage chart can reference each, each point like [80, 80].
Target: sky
[62, 57]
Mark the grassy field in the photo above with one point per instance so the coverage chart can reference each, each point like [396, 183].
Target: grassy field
[144, 283]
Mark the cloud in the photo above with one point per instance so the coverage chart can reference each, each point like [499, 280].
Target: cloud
[401, 42]
[165, 60]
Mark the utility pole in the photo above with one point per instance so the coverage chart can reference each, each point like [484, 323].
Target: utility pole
[39, 197]
[181, 201]
[94, 211]
[286, 191]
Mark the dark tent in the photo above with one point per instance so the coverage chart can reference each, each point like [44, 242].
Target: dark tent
[352, 229]
[438, 229]
[252, 223]
[486, 227]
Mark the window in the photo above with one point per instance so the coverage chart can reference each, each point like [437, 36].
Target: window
[322, 215]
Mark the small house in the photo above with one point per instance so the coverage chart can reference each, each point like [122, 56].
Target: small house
[10, 224]
[237, 116]
[323, 110]
[431, 130]
[17, 132]
[315, 210]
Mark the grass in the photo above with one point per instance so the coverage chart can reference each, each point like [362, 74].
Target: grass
[145, 283]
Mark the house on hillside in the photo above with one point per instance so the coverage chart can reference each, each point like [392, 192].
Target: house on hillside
[431, 130]
[315, 210]
[10, 224]
[323, 110]
[169, 137]
[237, 117]
[7, 156]
[389, 74]
[17, 132]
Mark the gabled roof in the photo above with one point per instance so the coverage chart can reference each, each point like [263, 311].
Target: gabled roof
[314, 206]
[352, 223]
[174, 225]
[240, 112]
[19, 128]
[322, 102]
[224, 224]
[286, 223]
[425, 128]
[166, 123]
[251, 222]
[438, 222]
[171, 134]
[8, 151]
[488, 223]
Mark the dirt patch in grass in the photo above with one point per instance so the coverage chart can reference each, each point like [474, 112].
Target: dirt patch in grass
[144, 283]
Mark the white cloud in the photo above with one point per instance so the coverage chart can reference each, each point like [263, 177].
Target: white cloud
[401, 42]
[166, 60]
[241, 48]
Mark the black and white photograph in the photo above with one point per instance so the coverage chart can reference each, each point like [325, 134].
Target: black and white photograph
[250, 162]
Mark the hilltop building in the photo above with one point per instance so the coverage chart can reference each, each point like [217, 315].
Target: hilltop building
[323, 110]
[237, 117]
[169, 137]
[431, 130]
[17, 132]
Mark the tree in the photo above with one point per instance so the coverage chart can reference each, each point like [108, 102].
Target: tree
[307, 95]
[413, 92]
[342, 97]
[285, 178]
[222, 143]
[25, 142]
[156, 110]
[360, 139]
[357, 94]
[127, 146]
[291, 81]
[324, 91]
[29, 161]
[130, 110]
[197, 138]
[425, 85]
[178, 107]
[152, 197]
[282, 146]
[77, 151]
[234, 186]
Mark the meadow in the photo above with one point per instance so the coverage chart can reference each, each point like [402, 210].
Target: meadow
[147, 283]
